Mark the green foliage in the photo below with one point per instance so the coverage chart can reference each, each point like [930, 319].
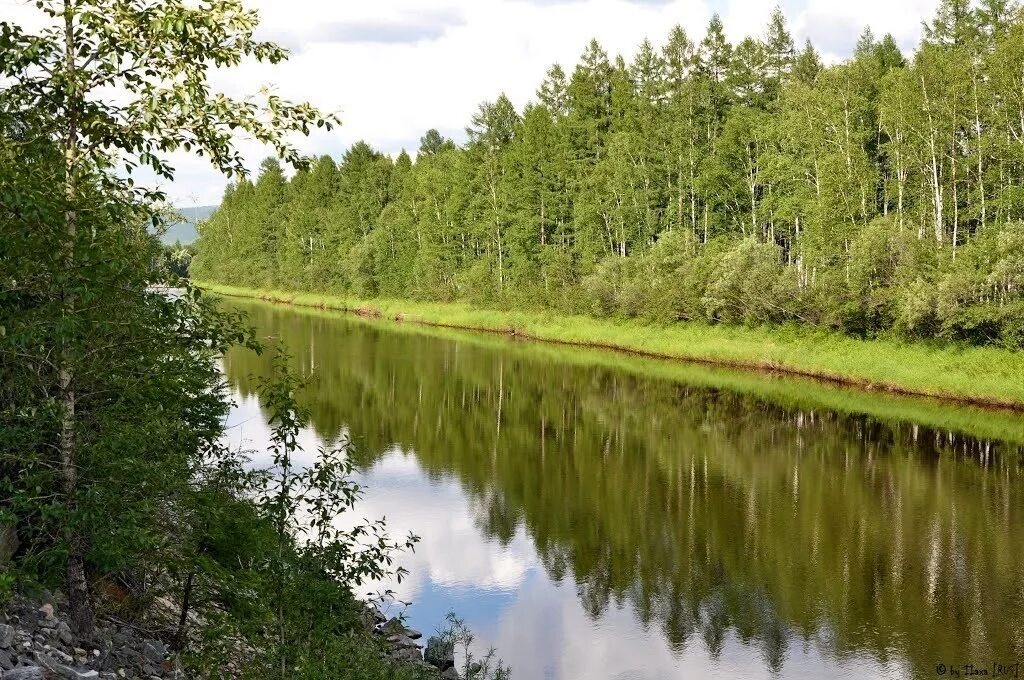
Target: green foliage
[274, 559]
[458, 636]
[868, 196]
[983, 374]
[112, 403]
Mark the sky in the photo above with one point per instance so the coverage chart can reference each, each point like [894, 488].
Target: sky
[392, 69]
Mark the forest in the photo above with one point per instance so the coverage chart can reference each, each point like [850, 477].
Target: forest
[744, 183]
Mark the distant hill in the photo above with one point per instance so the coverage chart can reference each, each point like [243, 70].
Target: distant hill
[185, 232]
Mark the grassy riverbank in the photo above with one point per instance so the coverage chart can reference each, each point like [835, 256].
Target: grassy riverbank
[969, 374]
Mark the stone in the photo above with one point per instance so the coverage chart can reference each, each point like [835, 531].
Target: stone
[402, 642]
[451, 674]
[407, 654]
[393, 627]
[63, 671]
[6, 660]
[6, 636]
[474, 668]
[60, 656]
[64, 633]
[376, 614]
[155, 651]
[28, 673]
[440, 653]
[413, 634]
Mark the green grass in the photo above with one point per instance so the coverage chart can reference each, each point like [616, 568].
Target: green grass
[985, 376]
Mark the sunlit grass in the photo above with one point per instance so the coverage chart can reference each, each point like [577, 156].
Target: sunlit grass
[988, 375]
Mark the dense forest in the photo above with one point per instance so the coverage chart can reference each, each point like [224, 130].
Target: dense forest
[702, 180]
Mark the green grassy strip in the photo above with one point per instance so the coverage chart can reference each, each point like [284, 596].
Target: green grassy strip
[982, 376]
[787, 391]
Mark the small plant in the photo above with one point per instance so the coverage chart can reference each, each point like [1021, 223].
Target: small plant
[7, 583]
[303, 504]
[460, 637]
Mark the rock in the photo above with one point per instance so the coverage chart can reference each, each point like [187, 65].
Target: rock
[451, 674]
[60, 656]
[64, 633]
[6, 636]
[6, 660]
[474, 668]
[414, 634]
[407, 654]
[64, 671]
[393, 627]
[440, 653]
[155, 651]
[28, 673]
[403, 642]
[376, 614]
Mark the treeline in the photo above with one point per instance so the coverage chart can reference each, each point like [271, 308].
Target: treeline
[741, 183]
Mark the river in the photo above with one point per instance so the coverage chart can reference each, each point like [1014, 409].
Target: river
[603, 517]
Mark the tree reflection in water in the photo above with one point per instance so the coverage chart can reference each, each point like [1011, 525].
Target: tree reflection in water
[709, 512]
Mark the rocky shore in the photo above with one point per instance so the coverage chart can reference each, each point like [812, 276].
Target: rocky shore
[36, 643]
[402, 644]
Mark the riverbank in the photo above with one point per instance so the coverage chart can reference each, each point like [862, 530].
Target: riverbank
[37, 644]
[980, 376]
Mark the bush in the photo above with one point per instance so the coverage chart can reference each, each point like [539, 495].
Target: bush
[742, 289]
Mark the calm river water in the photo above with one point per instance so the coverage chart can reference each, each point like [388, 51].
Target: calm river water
[601, 517]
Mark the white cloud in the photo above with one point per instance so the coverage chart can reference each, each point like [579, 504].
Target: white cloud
[452, 553]
[395, 68]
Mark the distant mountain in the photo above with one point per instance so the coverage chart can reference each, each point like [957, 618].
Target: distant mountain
[185, 231]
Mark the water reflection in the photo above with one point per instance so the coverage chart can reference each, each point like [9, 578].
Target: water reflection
[594, 523]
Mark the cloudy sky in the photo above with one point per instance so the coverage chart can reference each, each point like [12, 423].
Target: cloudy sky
[394, 68]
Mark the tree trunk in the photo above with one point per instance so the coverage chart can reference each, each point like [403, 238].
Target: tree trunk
[75, 580]
[186, 603]
[935, 174]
